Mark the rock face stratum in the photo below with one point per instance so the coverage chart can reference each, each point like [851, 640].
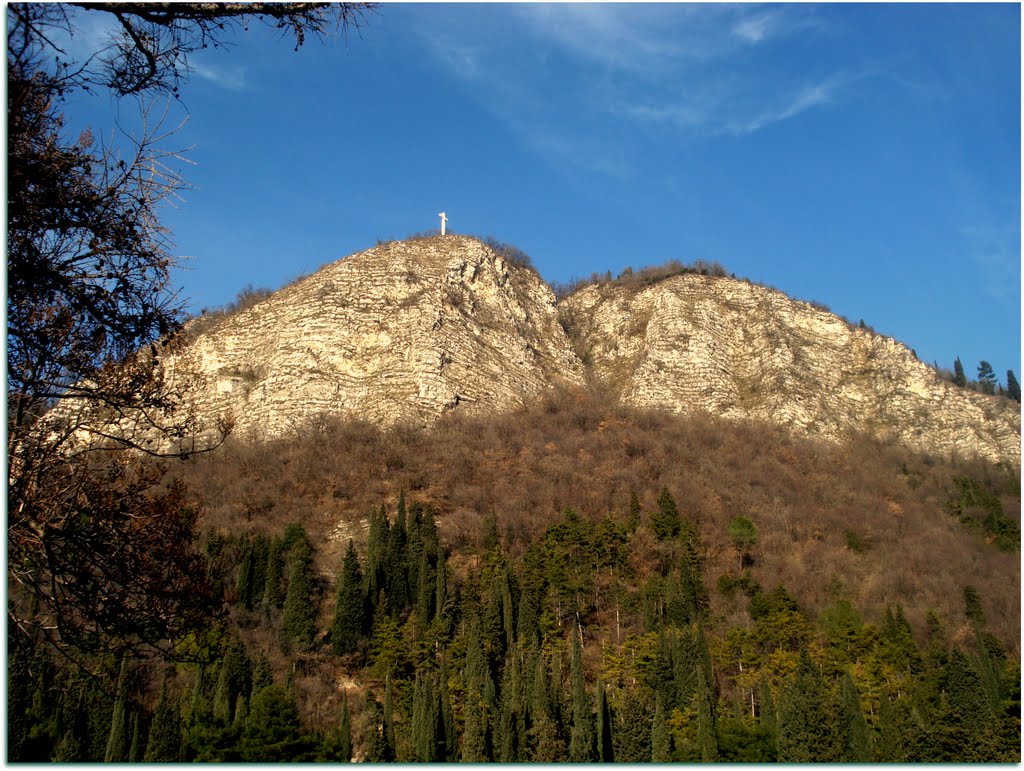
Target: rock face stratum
[408, 331]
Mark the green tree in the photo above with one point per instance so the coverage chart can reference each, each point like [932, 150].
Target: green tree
[273, 732]
[633, 512]
[959, 377]
[1012, 386]
[118, 742]
[349, 622]
[856, 745]
[661, 740]
[806, 732]
[345, 732]
[582, 740]
[743, 535]
[986, 378]
[605, 742]
[298, 626]
[665, 522]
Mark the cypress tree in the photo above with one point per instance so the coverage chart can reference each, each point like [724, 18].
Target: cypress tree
[581, 739]
[135, 749]
[349, 624]
[661, 742]
[273, 594]
[806, 733]
[1012, 386]
[424, 718]
[605, 744]
[633, 513]
[959, 377]
[117, 743]
[707, 735]
[665, 522]
[632, 736]
[512, 732]
[447, 739]
[856, 745]
[298, 627]
[165, 733]
[388, 727]
[241, 711]
[222, 702]
[345, 732]
[396, 564]
[244, 579]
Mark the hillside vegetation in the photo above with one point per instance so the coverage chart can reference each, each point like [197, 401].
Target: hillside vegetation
[577, 580]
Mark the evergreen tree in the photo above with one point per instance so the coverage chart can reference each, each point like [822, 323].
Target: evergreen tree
[1012, 386]
[424, 719]
[298, 626]
[165, 733]
[856, 745]
[605, 744]
[806, 733]
[959, 378]
[349, 623]
[661, 741]
[633, 512]
[632, 735]
[135, 748]
[345, 732]
[665, 523]
[273, 594]
[707, 734]
[582, 741]
[986, 378]
[118, 741]
[447, 739]
[272, 731]
[388, 726]
[510, 745]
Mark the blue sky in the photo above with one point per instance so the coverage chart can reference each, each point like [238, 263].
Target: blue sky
[863, 156]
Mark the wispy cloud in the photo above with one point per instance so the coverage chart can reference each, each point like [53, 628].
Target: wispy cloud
[555, 73]
[231, 78]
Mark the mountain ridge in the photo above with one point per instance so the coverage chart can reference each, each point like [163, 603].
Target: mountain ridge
[408, 331]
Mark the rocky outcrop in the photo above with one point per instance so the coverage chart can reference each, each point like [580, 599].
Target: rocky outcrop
[734, 349]
[400, 333]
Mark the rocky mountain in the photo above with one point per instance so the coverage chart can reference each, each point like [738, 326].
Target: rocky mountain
[407, 331]
[695, 342]
[403, 332]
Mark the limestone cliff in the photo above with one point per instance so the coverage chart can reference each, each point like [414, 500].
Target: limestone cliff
[402, 332]
[734, 349]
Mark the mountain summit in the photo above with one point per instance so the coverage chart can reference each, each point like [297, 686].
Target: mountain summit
[408, 331]
[400, 333]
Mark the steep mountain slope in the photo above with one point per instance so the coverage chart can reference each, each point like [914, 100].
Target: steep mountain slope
[399, 333]
[740, 351]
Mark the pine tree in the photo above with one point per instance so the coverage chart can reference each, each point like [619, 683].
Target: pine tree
[117, 743]
[349, 623]
[986, 377]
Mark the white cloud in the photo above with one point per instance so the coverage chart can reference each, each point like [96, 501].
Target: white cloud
[808, 97]
[231, 78]
[754, 29]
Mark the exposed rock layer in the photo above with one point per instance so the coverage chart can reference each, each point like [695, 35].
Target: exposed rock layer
[407, 331]
[402, 332]
[738, 350]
